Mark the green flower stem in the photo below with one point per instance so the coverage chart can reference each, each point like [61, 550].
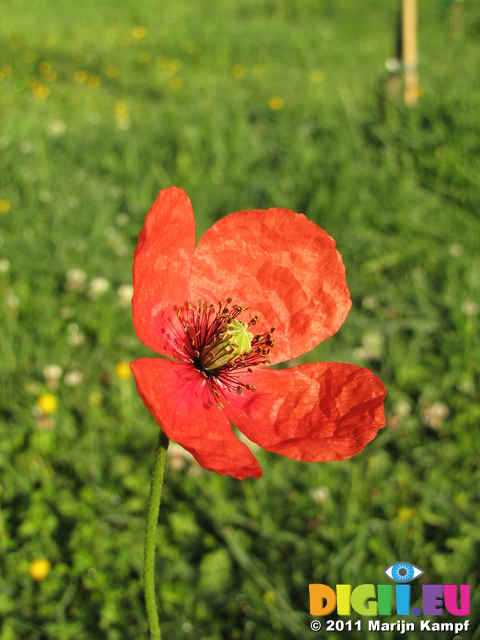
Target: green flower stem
[150, 534]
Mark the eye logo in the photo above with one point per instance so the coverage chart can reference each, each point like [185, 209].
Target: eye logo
[378, 600]
[403, 572]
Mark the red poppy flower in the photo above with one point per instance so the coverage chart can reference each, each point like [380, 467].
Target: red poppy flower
[261, 287]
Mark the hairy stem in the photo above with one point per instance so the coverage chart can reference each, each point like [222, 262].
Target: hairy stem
[150, 534]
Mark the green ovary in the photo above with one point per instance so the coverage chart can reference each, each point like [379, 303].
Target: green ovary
[234, 341]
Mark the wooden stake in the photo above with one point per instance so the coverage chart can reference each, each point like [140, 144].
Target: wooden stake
[409, 52]
[456, 18]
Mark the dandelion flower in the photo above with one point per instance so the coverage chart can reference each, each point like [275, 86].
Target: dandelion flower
[175, 65]
[176, 84]
[47, 403]
[112, 71]
[317, 75]
[258, 70]
[80, 76]
[51, 76]
[5, 71]
[139, 32]
[39, 569]
[123, 371]
[93, 82]
[276, 103]
[144, 57]
[237, 71]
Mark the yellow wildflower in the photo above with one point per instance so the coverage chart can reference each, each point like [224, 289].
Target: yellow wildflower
[237, 71]
[139, 32]
[81, 76]
[4, 206]
[175, 65]
[317, 75]
[405, 514]
[276, 103]
[176, 84]
[144, 57]
[41, 92]
[48, 403]
[5, 70]
[258, 70]
[123, 371]
[44, 67]
[93, 81]
[39, 568]
[112, 71]
[162, 61]
[123, 40]
[50, 76]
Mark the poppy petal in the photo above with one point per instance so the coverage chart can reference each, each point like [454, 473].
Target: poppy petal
[179, 399]
[161, 268]
[286, 268]
[315, 412]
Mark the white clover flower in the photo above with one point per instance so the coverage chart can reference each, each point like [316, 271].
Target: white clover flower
[122, 219]
[76, 340]
[52, 374]
[76, 279]
[469, 308]
[455, 250]
[125, 293]
[73, 378]
[402, 408]
[320, 494]
[435, 414]
[98, 286]
[56, 127]
[373, 345]
[178, 456]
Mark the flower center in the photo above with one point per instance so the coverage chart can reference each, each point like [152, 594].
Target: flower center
[222, 347]
[233, 340]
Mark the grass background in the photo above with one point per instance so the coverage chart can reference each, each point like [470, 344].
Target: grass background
[245, 105]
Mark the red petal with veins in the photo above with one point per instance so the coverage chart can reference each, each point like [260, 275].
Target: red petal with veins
[284, 267]
[161, 269]
[315, 412]
[180, 401]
